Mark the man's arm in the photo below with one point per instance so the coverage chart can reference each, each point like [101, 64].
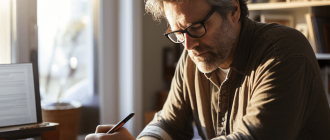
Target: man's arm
[121, 134]
[173, 122]
[101, 130]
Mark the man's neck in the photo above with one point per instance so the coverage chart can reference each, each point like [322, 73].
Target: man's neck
[227, 63]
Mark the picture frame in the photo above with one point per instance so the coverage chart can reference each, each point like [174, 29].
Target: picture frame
[286, 20]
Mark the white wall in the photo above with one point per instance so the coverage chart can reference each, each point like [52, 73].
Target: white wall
[153, 43]
[107, 62]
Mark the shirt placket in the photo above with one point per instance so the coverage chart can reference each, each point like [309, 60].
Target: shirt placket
[222, 108]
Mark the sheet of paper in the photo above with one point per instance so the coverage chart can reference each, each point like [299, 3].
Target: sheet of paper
[17, 95]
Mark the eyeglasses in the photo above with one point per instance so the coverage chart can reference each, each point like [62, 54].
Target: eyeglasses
[195, 30]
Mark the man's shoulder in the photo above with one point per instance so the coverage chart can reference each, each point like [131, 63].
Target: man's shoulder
[274, 43]
[281, 40]
[274, 31]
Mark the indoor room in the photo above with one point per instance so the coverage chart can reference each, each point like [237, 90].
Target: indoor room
[94, 62]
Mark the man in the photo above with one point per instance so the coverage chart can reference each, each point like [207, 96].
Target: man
[236, 79]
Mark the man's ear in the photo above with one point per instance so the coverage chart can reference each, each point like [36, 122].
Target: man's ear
[236, 13]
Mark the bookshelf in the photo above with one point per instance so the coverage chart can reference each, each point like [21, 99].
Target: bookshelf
[322, 56]
[325, 72]
[297, 10]
[286, 5]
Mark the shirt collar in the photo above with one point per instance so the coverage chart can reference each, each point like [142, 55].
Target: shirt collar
[214, 77]
[242, 51]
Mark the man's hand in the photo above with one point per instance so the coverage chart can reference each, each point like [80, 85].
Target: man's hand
[101, 130]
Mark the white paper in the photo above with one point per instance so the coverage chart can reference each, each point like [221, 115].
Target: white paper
[17, 95]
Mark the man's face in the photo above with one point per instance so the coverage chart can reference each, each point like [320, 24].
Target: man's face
[215, 47]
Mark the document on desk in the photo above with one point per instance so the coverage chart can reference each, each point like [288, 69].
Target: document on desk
[17, 95]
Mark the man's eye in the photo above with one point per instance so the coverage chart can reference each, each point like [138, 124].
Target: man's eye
[195, 27]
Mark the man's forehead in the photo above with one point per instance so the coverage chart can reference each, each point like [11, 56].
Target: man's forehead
[186, 12]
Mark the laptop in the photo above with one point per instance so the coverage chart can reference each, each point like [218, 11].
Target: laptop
[20, 110]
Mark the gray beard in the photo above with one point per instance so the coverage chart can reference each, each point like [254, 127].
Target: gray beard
[222, 47]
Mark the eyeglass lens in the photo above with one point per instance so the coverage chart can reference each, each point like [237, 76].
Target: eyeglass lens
[176, 37]
[196, 31]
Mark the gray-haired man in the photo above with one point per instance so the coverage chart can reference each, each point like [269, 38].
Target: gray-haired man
[236, 79]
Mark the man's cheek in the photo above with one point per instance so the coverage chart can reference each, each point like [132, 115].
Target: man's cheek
[190, 55]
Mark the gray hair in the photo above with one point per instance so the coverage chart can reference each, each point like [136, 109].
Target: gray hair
[224, 7]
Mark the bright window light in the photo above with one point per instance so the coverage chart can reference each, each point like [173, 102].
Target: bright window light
[5, 50]
[65, 38]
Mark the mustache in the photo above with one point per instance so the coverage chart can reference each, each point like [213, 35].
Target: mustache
[200, 49]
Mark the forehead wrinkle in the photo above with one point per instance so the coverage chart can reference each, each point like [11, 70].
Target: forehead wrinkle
[181, 18]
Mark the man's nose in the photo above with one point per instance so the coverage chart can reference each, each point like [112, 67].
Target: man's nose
[190, 42]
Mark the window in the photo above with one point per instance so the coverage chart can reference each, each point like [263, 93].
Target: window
[65, 40]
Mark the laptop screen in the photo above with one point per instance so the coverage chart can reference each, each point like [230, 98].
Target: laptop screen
[17, 95]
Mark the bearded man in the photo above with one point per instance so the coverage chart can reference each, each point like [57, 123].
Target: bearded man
[236, 79]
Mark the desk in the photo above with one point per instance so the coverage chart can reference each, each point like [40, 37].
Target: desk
[48, 131]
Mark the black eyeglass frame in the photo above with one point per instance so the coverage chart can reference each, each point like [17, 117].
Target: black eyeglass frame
[186, 29]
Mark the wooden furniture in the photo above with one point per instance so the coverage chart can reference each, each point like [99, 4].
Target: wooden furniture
[51, 135]
[48, 131]
[148, 116]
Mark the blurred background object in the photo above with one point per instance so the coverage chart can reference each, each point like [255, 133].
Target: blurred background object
[66, 69]
[66, 48]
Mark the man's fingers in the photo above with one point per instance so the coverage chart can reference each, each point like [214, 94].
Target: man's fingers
[90, 137]
[122, 130]
[121, 134]
[97, 137]
[103, 128]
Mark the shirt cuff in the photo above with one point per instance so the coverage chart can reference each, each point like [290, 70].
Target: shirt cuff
[156, 132]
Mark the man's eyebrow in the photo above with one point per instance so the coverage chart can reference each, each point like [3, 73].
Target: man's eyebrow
[179, 27]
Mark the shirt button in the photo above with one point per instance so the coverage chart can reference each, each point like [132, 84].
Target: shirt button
[223, 119]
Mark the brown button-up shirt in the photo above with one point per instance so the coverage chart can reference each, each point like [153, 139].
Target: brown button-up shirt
[273, 90]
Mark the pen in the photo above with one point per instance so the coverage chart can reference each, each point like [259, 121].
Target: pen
[120, 124]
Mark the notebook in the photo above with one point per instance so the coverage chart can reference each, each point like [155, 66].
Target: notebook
[20, 111]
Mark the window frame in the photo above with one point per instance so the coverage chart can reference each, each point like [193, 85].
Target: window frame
[5, 31]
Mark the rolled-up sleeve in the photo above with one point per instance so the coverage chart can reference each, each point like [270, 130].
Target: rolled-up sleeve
[174, 121]
[153, 130]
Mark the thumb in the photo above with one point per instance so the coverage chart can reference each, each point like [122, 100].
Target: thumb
[103, 128]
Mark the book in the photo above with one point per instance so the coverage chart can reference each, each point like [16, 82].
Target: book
[326, 32]
[311, 33]
[319, 34]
